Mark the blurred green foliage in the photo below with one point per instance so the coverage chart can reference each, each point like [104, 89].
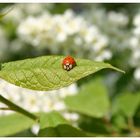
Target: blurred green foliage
[92, 99]
[13, 124]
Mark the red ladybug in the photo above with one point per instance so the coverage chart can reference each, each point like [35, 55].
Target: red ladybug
[68, 63]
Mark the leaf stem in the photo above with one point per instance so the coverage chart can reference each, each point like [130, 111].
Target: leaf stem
[130, 123]
[14, 107]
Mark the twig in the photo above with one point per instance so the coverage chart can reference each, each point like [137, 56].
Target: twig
[14, 107]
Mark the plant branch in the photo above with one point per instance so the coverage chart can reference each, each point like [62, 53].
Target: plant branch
[5, 108]
[14, 107]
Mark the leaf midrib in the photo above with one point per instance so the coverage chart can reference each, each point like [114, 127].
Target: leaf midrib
[44, 68]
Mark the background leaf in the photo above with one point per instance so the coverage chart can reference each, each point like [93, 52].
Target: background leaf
[51, 120]
[54, 125]
[24, 133]
[92, 99]
[46, 73]
[14, 123]
[127, 104]
[119, 122]
[96, 126]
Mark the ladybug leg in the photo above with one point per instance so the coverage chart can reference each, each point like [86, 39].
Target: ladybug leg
[70, 66]
[65, 67]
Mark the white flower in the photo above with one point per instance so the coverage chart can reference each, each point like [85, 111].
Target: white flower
[35, 129]
[117, 18]
[100, 44]
[59, 106]
[78, 41]
[136, 20]
[135, 57]
[134, 42]
[31, 101]
[72, 117]
[90, 34]
[71, 90]
[104, 55]
[137, 74]
[136, 31]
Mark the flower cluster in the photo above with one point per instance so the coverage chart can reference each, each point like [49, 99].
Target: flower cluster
[37, 101]
[21, 11]
[67, 33]
[135, 48]
[113, 25]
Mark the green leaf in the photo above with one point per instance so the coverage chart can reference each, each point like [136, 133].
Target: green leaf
[12, 124]
[54, 125]
[119, 122]
[24, 133]
[46, 73]
[51, 119]
[127, 104]
[92, 125]
[92, 99]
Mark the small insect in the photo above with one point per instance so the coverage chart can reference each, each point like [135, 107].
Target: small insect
[68, 63]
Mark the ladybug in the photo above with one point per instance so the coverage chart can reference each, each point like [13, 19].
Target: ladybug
[68, 63]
